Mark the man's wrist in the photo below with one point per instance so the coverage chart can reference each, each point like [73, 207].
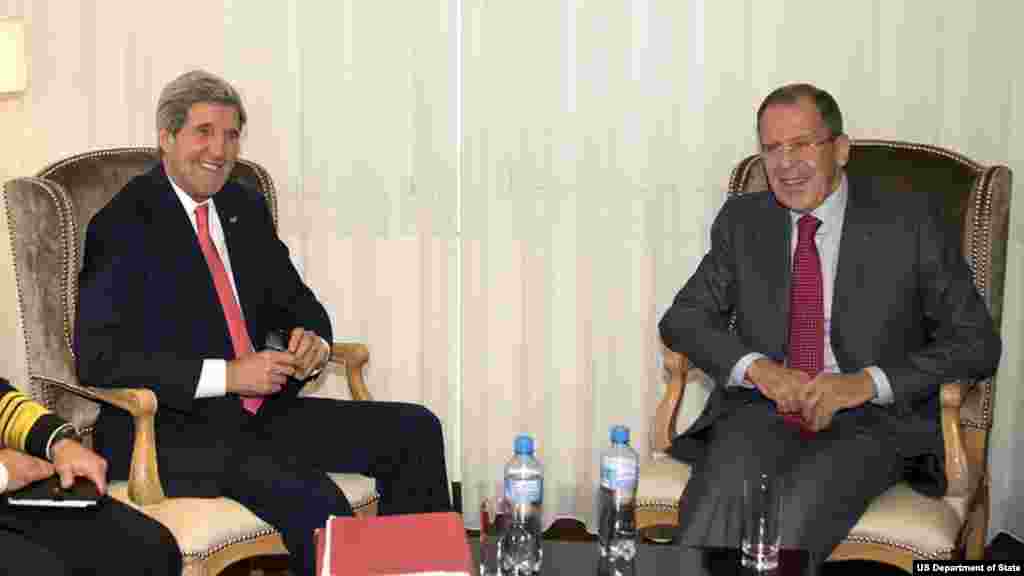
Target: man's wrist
[865, 389]
[754, 372]
[65, 432]
[325, 357]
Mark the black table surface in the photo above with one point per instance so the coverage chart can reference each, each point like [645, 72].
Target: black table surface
[582, 558]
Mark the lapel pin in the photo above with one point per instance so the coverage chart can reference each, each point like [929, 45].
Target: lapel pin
[232, 219]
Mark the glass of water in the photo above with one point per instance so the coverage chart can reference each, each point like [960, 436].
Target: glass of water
[493, 517]
[761, 509]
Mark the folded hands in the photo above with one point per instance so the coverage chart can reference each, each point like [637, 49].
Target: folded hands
[814, 400]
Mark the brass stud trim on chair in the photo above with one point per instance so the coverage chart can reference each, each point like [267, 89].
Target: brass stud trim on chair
[941, 554]
[56, 166]
[657, 505]
[986, 409]
[979, 260]
[57, 196]
[374, 497]
[69, 267]
[228, 543]
[269, 192]
[903, 145]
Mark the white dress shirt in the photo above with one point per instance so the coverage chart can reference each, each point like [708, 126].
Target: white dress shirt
[214, 374]
[831, 213]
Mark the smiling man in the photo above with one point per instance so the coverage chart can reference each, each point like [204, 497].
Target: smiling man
[184, 278]
[852, 304]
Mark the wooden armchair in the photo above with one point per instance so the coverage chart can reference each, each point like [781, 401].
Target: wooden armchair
[900, 525]
[46, 220]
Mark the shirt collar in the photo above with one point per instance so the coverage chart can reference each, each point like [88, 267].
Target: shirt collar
[831, 210]
[187, 202]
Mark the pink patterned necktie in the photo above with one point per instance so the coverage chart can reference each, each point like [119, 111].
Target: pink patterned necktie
[806, 308]
[232, 313]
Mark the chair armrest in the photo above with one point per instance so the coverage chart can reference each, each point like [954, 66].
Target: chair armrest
[958, 476]
[144, 486]
[676, 365]
[353, 356]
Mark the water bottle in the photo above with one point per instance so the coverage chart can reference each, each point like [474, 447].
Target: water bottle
[519, 547]
[620, 467]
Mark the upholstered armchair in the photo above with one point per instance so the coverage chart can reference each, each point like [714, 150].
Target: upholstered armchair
[46, 220]
[900, 525]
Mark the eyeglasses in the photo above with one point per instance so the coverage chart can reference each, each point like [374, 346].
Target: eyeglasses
[802, 149]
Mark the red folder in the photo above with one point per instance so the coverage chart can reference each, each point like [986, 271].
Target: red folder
[422, 544]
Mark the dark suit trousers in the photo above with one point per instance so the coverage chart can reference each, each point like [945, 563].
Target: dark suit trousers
[276, 465]
[110, 539]
[826, 482]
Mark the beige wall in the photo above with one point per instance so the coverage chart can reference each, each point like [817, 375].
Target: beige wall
[352, 109]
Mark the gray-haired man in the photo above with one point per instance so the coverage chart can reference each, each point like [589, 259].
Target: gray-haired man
[184, 278]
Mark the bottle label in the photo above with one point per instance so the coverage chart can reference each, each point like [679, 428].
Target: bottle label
[524, 491]
[618, 473]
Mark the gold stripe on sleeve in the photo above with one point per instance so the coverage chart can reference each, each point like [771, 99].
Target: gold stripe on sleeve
[18, 413]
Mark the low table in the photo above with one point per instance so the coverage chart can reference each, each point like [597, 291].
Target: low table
[654, 559]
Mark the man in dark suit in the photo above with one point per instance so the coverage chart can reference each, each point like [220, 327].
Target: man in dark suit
[110, 538]
[852, 305]
[183, 279]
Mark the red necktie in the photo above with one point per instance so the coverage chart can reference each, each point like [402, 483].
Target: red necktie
[232, 313]
[806, 307]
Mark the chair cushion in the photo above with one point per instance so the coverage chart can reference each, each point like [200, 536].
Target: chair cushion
[900, 517]
[203, 526]
[905, 519]
[662, 480]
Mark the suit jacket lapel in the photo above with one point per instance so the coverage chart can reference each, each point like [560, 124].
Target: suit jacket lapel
[854, 255]
[772, 246]
[184, 254]
[177, 226]
[166, 207]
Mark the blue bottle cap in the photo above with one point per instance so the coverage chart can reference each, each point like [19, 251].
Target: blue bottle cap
[620, 435]
[524, 444]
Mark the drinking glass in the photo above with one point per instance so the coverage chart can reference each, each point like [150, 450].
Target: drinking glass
[761, 508]
[493, 517]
